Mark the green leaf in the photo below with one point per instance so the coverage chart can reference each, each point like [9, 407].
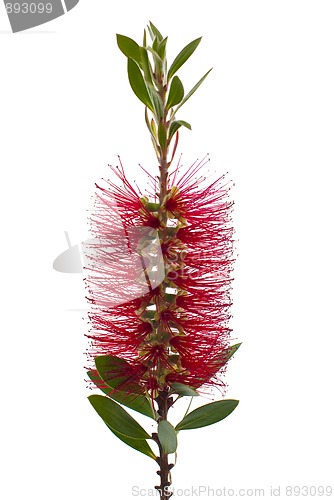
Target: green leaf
[176, 125]
[230, 351]
[193, 90]
[157, 102]
[207, 414]
[161, 48]
[137, 83]
[155, 46]
[115, 372]
[183, 390]
[156, 32]
[158, 62]
[155, 54]
[117, 418]
[176, 93]
[141, 404]
[152, 35]
[137, 402]
[94, 376]
[149, 125]
[146, 65]
[138, 444]
[153, 128]
[183, 56]
[167, 436]
[222, 358]
[162, 135]
[129, 47]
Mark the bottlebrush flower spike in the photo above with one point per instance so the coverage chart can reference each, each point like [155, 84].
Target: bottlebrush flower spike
[159, 275]
[195, 264]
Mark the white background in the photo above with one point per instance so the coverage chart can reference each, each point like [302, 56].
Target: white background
[265, 115]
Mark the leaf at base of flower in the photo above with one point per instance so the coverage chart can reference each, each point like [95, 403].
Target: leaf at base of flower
[167, 436]
[226, 354]
[137, 444]
[208, 414]
[114, 371]
[183, 390]
[137, 402]
[232, 350]
[117, 418]
[117, 373]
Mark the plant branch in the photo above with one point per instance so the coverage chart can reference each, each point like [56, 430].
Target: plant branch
[164, 402]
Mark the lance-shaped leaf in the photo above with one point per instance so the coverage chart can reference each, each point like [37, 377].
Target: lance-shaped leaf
[225, 355]
[167, 436]
[158, 62]
[116, 373]
[183, 390]
[154, 53]
[137, 83]
[207, 414]
[154, 32]
[151, 127]
[155, 46]
[129, 47]
[230, 351]
[146, 65]
[176, 125]
[193, 90]
[183, 56]
[217, 363]
[161, 48]
[176, 93]
[162, 135]
[117, 418]
[137, 402]
[137, 444]
[156, 101]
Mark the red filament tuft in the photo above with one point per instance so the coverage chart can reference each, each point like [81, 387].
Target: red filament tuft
[160, 291]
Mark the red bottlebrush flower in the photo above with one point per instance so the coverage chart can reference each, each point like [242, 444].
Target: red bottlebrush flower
[160, 286]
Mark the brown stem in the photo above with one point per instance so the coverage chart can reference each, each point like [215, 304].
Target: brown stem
[163, 178]
[164, 402]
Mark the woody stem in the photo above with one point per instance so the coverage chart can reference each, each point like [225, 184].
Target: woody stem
[163, 401]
